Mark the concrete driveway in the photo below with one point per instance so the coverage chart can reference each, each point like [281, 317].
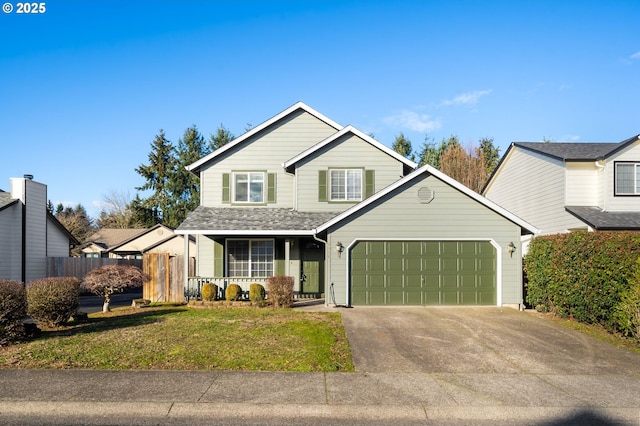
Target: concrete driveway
[476, 340]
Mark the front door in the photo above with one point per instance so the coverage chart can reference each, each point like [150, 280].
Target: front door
[312, 273]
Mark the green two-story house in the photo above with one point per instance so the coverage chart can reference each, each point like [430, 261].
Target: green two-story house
[349, 219]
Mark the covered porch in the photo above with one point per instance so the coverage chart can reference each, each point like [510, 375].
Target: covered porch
[245, 246]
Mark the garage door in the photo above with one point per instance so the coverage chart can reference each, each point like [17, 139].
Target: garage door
[423, 273]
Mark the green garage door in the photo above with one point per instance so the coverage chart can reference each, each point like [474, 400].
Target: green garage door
[423, 273]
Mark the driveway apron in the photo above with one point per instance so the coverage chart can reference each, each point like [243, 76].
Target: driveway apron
[476, 340]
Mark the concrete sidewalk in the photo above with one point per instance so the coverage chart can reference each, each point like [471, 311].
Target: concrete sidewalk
[74, 397]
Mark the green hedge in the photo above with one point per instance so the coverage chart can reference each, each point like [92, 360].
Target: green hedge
[583, 275]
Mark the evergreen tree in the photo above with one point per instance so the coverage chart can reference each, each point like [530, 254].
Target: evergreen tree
[220, 138]
[158, 174]
[490, 153]
[432, 154]
[402, 146]
[185, 186]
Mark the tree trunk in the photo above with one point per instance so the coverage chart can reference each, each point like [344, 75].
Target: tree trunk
[105, 305]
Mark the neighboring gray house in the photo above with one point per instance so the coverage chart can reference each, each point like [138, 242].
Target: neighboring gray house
[348, 218]
[28, 232]
[563, 187]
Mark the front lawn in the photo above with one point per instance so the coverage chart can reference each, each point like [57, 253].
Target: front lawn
[182, 338]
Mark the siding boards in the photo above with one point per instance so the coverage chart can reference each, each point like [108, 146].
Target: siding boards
[347, 152]
[532, 187]
[582, 184]
[11, 243]
[613, 203]
[267, 151]
[450, 215]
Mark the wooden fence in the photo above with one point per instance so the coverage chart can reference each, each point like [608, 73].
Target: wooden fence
[166, 283]
[79, 266]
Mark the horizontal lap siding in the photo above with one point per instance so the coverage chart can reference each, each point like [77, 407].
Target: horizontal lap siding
[532, 187]
[450, 215]
[267, 151]
[582, 184]
[11, 243]
[349, 152]
[613, 203]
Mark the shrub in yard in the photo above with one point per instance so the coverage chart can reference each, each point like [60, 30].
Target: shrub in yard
[628, 310]
[233, 292]
[13, 309]
[109, 279]
[280, 290]
[257, 293]
[209, 292]
[52, 301]
[582, 274]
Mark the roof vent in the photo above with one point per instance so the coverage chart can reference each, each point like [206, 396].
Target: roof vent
[27, 176]
[425, 195]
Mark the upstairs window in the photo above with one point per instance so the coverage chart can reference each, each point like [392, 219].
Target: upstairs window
[248, 187]
[345, 185]
[627, 178]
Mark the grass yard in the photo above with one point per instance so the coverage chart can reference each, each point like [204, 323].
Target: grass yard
[182, 338]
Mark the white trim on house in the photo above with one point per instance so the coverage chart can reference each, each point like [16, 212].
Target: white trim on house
[493, 242]
[344, 131]
[438, 174]
[246, 232]
[299, 105]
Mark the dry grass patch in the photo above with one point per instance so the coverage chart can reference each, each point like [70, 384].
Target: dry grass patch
[181, 338]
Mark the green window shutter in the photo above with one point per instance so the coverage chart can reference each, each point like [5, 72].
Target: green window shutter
[322, 185]
[369, 183]
[218, 259]
[271, 188]
[226, 193]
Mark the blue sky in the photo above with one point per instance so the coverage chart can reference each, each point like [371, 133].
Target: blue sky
[86, 85]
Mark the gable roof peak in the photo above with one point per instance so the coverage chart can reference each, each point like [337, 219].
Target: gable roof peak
[345, 130]
[195, 167]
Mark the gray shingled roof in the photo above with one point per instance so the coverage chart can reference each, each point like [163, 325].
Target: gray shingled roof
[577, 151]
[5, 199]
[110, 237]
[571, 151]
[253, 219]
[601, 220]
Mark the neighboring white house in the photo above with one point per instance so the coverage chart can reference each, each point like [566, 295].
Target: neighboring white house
[348, 218]
[28, 232]
[119, 243]
[563, 187]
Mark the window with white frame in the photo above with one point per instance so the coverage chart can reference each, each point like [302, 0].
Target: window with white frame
[627, 178]
[345, 185]
[250, 258]
[248, 187]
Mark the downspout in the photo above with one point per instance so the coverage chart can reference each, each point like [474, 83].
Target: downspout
[23, 267]
[601, 169]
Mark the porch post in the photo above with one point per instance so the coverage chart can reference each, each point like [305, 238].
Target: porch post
[287, 257]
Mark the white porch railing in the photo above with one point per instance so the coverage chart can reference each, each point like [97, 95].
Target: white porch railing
[193, 290]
